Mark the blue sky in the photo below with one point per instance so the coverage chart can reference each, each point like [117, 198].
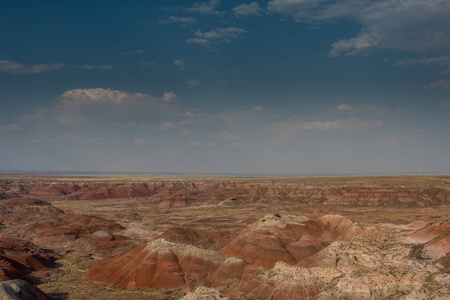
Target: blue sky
[257, 87]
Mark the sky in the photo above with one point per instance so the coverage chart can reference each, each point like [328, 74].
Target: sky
[278, 87]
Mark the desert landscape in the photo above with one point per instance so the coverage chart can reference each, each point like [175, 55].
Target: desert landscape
[212, 149]
[187, 237]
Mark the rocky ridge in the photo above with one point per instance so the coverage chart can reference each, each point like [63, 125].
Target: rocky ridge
[210, 246]
[184, 194]
[353, 263]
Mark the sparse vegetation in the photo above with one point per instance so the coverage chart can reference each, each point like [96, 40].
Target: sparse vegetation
[66, 283]
[348, 182]
[213, 226]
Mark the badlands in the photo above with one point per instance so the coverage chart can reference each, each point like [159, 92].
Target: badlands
[140, 237]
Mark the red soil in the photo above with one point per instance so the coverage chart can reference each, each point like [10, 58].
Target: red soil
[19, 258]
[182, 194]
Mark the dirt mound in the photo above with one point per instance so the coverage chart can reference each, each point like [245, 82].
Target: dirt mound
[208, 237]
[20, 289]
[204, 293]
[19, 258]
[108, 191]
[71, 227]
[373, 264]
[104, 247]
[428, 233]
[185, 193]
[40, 222]
[205, 239]
[45, 227]
[165, 265]
[434, 240]
[377, 265]
[73, 191]
[23, 206]
[287, 238]
[438, 248]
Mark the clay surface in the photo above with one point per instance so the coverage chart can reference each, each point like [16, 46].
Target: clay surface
[225, 238]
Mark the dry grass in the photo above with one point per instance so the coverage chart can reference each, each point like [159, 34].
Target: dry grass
[66, 282]
[144, 221]
[425, 181]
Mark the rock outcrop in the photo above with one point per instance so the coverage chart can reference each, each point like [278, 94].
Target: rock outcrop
[20, 290]
[184, 193]
[433, 240]
[205, 239]
[40, 222]
[18, 259]
[205, 293]
[352, 264]
[289, 239]
[166, 265]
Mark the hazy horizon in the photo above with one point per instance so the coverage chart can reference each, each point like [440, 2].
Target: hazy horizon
[187, 174]
[278, 87]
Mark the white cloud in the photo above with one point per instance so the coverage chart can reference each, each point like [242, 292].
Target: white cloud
[360, 45]
[78, 97]
[102, 106]
[436, 60]
[195, 118]
[73, 105]
[166, 125]
[249, 117]
[440, 84]
[170, 97]
[408, 25]
[290, 6]
[433, 61]
[338, 9]
[351, 124]
[193, 83]
[343, 107]
[251, 8]
[183, 20]
[86, 67]
[198, 41]
[90, 67]
[7, 66]
[186, 131]
[225, 34]
[205, 7]
[180, 64]
[226, 136]
[212, 38]
[411, 25]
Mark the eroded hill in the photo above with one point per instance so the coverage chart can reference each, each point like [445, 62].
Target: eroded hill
[341, 238]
